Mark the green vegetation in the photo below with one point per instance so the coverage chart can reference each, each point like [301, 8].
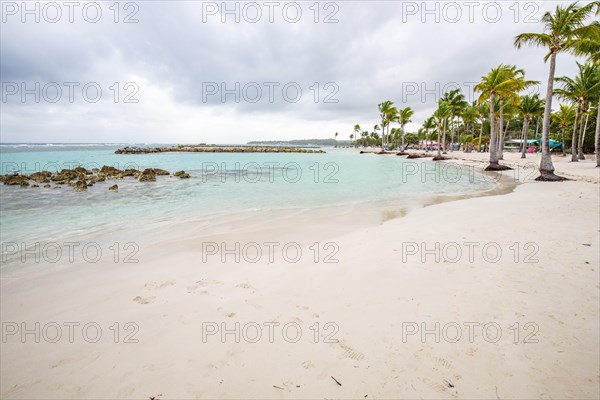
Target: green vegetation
[502, 111]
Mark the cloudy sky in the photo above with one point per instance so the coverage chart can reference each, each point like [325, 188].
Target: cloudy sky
[193, 71]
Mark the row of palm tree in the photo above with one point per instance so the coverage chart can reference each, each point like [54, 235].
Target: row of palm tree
[500, 98]
[580, 91]
[565, 31]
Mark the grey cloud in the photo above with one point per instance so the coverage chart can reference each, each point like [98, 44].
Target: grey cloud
[371, 54]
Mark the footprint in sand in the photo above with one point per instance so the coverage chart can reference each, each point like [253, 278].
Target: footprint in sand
[447, 380]
[349, 352]
[202, 283]
[126, 391]
[159, 285]
[308, 364]
[444, 386]
[144, 300]
[195, 289]
[246, 286]
[471, 351]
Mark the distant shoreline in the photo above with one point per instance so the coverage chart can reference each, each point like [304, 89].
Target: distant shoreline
[215, 149]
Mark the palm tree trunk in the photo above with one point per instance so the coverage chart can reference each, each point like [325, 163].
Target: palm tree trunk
[574, 139]
[452, 134]
[546, 166]
[501, 141]
[382, 133]
[582, 136]
[499, 146]
[564, 153]
[523, 139]
[493, 140]
[387, 135]
[439, 150]
[444, 137]
[472, 134]
[598, 136]
[480, 135]
[524, 136]
[402, 131]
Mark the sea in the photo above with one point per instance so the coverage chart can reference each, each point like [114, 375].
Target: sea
[221, 185]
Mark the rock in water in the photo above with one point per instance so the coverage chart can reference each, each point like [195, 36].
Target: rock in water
[182, 174]
[114, 187]
[80, 186]
[109, 171]
[41, 177]
[131, 172]
[148, 175]
[16, 180]
[159, 171]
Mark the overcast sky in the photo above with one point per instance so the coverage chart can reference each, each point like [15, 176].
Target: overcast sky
[162, 75]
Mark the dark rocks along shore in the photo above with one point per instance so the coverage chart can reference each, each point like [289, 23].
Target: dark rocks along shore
[80, 178]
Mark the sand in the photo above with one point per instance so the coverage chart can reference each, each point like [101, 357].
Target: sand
[528, 318]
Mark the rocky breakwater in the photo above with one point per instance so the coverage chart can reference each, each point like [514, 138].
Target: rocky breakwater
[212, 149]
[80, 178]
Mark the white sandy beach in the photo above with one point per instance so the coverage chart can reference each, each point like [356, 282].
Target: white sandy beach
[546, 310]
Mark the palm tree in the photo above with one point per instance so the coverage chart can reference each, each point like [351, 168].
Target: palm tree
[421, 133]
[364, 135]
[392, 115]
[563, 118]
[469, 116]
[403, 118]
[457, 103]
[562, 29]
[529, 107]
[482, 110]
[441, 116]
[580, 91]
[356, 131]
[384, 112]
[503, 84]
[508, 95]
[590, 47]
[427, 125]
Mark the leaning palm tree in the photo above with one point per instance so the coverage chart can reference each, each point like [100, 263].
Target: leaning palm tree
[403, 118]
[392, 115]
[529, 107]
[356, 132]
[500, 84]
[441, 116]
[580, 90]
[384, 111]
[563, 118]
[562, 29]
[508, 97]
[456, 102]
[421, 133]
[428, 125]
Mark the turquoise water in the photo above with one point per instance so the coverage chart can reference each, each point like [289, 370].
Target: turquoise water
[220, 184]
